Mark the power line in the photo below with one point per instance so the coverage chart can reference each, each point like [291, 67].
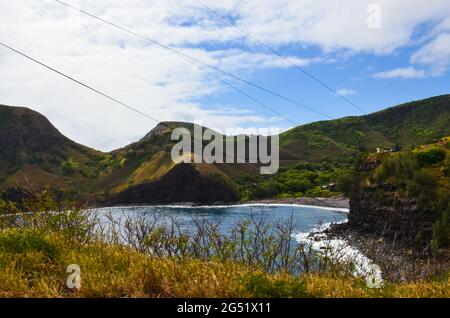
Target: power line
[40, 47]
[215, 78]
[80, 83]
[253, 99]
[98, 92]
[271, 49]
[196, 60]
[257, 101]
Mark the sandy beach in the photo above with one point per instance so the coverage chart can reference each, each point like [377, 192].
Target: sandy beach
[334, 202]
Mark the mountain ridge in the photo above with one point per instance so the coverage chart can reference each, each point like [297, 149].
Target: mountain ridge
[33, 151]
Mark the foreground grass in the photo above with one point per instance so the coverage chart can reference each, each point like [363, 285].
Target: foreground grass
[33, 263]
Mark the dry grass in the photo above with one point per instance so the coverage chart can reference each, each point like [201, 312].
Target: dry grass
[147, 261]
[330, 286]
[33, 264]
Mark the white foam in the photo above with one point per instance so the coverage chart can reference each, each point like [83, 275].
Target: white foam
[343, 210]
[341, 251]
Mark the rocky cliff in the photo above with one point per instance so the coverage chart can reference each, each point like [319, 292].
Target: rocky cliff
[404, 196]
[399, 220]
[181, 184]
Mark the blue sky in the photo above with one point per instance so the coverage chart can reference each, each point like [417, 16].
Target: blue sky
[376, 53]
[355, 74]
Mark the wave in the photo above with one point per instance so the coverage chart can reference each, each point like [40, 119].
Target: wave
[341, 250]
[180, 206]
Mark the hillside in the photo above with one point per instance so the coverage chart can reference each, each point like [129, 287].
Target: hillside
[409, 124]
[33, 154]
[394, 192]
[316, 155]
[144, 172]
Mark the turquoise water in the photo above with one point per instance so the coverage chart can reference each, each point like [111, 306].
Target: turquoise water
[305, 218]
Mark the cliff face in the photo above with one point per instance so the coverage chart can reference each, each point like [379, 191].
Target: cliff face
[182, 184]
[404, 197]
[394, 218]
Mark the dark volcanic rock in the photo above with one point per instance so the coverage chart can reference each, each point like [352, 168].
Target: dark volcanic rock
[392, 218]
[380, 211]
[18, 196]
[182, 184]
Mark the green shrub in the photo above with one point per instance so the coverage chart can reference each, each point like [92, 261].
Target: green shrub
[441, 230]
[431, 157]
[23, 241]
[423, 187]
[346, 183]
[262, 286]
[68, 168]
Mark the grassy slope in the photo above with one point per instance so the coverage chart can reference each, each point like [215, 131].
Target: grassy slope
[54, 160]
[150, 159]
[410, 124]
[33, 264]
[34, 154]
[339, 140]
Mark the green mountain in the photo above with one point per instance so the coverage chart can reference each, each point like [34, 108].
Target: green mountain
[409, 124]
[144, 172]
[33, 154]
[394, 192]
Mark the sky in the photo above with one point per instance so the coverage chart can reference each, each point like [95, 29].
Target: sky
[377, 54]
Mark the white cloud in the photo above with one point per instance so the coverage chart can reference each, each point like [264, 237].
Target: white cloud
[163, 85]
[150, 79]
[436, 54]
[332, 25]
[404, 73]
[346, 92]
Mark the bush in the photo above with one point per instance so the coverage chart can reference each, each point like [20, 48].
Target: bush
[423, 188]
[346, 183]
[7, 207]
[431, 157]
[20, 242]
[441, 230]
[262, 286]
[68, 168]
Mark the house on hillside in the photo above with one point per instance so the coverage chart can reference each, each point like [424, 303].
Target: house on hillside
[384, 150]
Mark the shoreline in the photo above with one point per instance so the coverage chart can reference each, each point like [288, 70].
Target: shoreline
[341, 249]
[339, 204]
[333, 202]
[398, 262]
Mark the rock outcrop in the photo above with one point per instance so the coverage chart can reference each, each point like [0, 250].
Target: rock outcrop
[180, 185]
[379, 210]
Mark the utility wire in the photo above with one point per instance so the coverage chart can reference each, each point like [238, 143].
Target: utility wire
[98, 92]
[215, 78]
[257, 101]
[274, 51]
[79, 82]
[226, 83]
[196, 60]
